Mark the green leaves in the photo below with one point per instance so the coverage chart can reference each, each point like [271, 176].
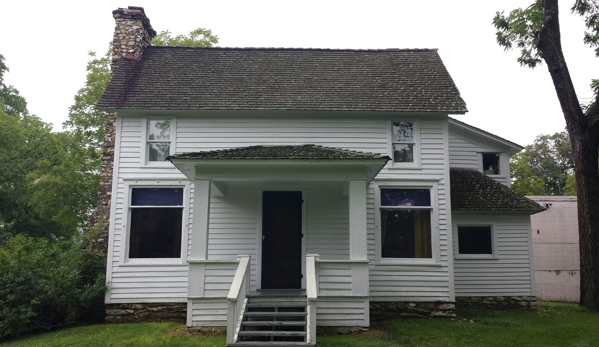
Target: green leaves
[520, 28]
[45, 284]
[199, 37]
[589, 11]
[12, 102]
[523, 179]
[85, 121]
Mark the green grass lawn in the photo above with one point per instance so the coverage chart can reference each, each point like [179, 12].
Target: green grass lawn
[556, 324]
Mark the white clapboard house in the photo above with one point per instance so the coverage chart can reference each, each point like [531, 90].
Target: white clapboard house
[273, 191]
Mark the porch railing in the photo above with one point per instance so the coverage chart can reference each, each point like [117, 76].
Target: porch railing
[312, 295]
[237, 298]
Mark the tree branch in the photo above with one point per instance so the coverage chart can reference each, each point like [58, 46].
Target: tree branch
[549, 44]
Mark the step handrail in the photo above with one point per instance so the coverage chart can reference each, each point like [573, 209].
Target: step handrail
[237, 298]
[312, 296]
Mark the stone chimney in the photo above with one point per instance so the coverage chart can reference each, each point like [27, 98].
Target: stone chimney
[132, 34]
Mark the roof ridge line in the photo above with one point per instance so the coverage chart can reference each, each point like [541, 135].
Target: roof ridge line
[301, 49]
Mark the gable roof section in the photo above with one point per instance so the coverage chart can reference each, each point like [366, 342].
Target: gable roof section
[475, 191]
[459, 125]
[195, 78]
[301, 152]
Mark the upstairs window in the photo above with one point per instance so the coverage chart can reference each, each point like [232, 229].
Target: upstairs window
[404, 142]
[406, 223]
[156, 218]
[475, 240]
[491, 163]
[159, 139]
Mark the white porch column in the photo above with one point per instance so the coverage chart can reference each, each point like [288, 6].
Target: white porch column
[201, 219]
[357, 220]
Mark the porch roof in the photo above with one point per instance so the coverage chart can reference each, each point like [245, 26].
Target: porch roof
[301, 152]
[474, 191]
[291, 163]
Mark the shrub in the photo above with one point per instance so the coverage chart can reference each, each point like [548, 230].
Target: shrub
[45, 284]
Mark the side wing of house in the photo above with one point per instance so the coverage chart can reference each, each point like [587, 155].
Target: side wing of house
[473, 148]
[492, 242]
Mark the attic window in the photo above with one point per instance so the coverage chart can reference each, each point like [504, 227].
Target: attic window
[491, 163]
[403, 142]
[159, 139]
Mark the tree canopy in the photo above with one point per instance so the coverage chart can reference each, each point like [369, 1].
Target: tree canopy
[199, 37]
[524, 181]
[552, 160]
[26, 145]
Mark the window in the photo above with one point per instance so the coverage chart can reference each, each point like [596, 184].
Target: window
[403, 142]
[405, 223]
[491, 163]
[475, 240]
[156, 216]
[159, 139]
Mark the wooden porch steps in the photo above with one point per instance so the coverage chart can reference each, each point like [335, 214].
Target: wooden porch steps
[274, 321]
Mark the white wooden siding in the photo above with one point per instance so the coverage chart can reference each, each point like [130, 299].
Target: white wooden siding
[139, 283]
[209, 312]
[506, 275]
[415, 282]
[148, 284]
[464, 152]
[234, 218]
[209, 133]
[327, 223]
[334, 279]
[342, 312]
[218, 279]
[233, 226]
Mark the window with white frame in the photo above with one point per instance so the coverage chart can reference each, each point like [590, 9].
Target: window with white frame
[491, 163]
[475, 240]
[405, 222]
[155, 224]
[404, 142]
[158, 139]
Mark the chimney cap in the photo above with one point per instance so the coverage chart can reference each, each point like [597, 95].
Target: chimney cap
[139, 8]
[135, 12]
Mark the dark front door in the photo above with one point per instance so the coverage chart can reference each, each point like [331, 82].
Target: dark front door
[282, 240]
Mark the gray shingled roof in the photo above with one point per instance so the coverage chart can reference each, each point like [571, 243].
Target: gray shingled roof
[305, 152]
[193, 78]
[474, 191]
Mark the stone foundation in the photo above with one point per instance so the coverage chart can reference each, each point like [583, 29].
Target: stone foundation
[382, 310]
[498, 302]
[154, 312]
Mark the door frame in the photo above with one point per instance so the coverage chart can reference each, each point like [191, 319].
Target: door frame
[259, 230]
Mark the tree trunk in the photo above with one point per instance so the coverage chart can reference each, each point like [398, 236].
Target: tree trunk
[584, 134]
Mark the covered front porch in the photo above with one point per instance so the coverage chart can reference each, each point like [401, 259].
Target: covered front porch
[265, 225]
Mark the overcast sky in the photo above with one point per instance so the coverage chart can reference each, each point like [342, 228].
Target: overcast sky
[45, 44]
